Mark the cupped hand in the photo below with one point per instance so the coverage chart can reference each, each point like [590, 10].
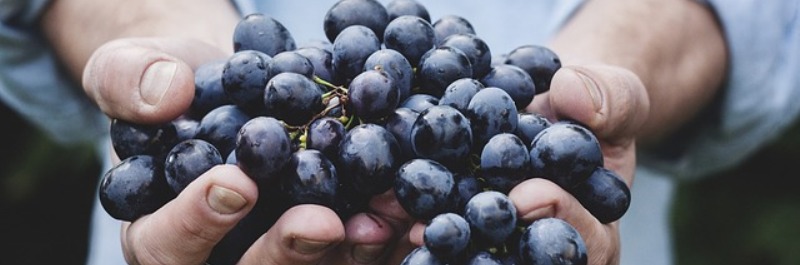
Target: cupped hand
[151, 80]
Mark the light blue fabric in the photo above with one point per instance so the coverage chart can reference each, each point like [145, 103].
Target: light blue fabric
[757, 106]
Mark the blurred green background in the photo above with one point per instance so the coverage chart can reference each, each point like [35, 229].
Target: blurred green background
[749, 215]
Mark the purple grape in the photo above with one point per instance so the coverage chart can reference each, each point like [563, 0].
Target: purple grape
[478, 52]
[368, 159]
[604, 194]
[396, 8]
[325, 134]
[440, 67]
[345, 13]
[262, 33]
[351, 48]
[263, 148]
[492, 217]
[291, 62]
[515, 81]
[412, 36]
[505, 162]
[372, 95]
[220, 127]
[292, 98]
[443, 134]
[552, 241]
[423, 188]
[565, 153]
[188, 160]
[134, 187]
[538, 61]
[309, 178]
[447, 236]
[451, 24]
[244, 77]
[130, 139]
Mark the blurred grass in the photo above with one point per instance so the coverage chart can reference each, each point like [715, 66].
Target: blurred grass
[46, 195]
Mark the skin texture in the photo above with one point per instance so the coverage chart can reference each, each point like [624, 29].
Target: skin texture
[629, 74]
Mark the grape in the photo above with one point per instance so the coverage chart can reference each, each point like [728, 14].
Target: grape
[491, 217]
[529, 125]
[440, 67]
[351, 48]
[552, 241]
[397, 8]
[244, 77]
[484, 258]
[292, 98]
[396, 65]
[505, 162]
[447, 236]
[344, 13]
[604, 194]
[460, 92]
[325, 134]
[515, 81]
[419, 102]
[185, 127]
[466, 187]
[538, 61]
[291, 62]
[421, 256]
[443, 134]
[399, 123]
[373, 95]
[309, 177]
[130, 139]
[412, 36]
[208, 91]
[220, 126]
[134, 187]
[262, 148]
[322, 60]
[491, 111]
[451, 24]
[368, 158]
[423, 188]
[565, 153]
[188, 160]
[262, 33]
[475, 48]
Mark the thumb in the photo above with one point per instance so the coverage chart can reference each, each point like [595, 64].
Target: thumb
[145, 80]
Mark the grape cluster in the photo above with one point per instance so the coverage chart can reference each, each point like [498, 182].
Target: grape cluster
[391, 101]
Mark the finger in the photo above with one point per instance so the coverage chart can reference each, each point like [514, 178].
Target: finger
[540, 198]
[145, 80]
[417, 233]
[304, 234]
[367, 241]
[610, 100]
[387, 207]
[185, 230]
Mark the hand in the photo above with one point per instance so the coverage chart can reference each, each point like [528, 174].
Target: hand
[185, 230]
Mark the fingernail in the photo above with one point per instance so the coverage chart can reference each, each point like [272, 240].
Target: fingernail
[367, 253]
[156, 80]
[591, 88]
[548, 211]
[308, 247]
[225, 201]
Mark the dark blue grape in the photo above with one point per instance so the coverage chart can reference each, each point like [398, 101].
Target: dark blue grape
[492, 217]
[208, 91]
[491, 111]
[423, 187]
[529, 125]
[292, 98]
[396, 65]
[309, 178]
[262, 148]
[351, 49]
[538, 61]
[244, 77]
[478, 52]
[220, 127]
[239, 239]
[421, 256]
[447, 236]
[459, 93]
[419, 102]
[291, 62]
[231, 158]
[565, 153]
[505, 162]
[399, 123]
[604, 194]
[323, 44]
[412, 36]
[443, 134]
[397, 8]
[515, 81]
[262, 33]
[372, 95]
[368, 159]
[186, 127]
[134, 187]
[344, 13]
[129, 139]
[484, 258]
[325, 134]
[349, 202]
[440, 67]
[467, 185]
[552, 241]
[322, 60]
[334, 108]
[188, 160]
[451, 24]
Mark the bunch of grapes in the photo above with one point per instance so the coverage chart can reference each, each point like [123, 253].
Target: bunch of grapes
[389, 101]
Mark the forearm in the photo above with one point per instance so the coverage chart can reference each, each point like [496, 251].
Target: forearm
[675, 47]
[75, 28]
